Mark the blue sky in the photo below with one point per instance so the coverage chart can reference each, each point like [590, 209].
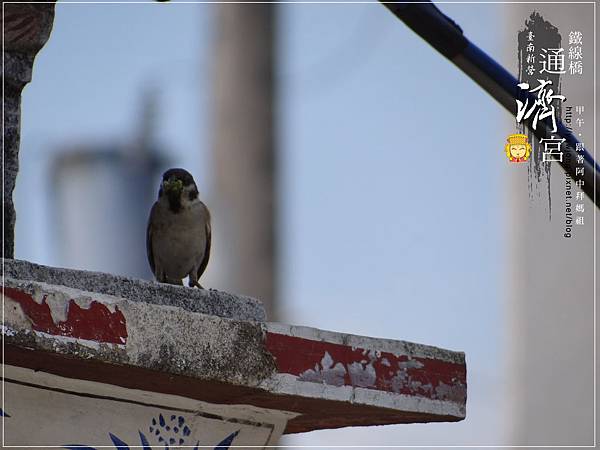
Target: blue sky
[391, 185]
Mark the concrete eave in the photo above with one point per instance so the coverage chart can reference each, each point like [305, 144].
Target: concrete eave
[330, 379]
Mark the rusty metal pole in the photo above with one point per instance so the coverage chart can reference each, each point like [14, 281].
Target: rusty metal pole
[244, 153]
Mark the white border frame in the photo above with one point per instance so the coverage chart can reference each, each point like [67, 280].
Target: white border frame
[329, 2]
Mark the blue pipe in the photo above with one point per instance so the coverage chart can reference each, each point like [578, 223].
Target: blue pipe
[443, 34]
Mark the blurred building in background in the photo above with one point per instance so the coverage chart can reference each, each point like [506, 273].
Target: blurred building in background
[551, 304]
[102, 195]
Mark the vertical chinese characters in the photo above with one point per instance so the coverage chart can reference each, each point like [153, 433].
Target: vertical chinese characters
[541, 107]
[579, 168]
[575, 53]
[552, 62]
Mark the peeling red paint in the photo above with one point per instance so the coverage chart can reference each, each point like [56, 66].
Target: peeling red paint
[423, 377]
[96, 323]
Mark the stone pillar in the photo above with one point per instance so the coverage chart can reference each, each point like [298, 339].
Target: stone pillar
[27, 27]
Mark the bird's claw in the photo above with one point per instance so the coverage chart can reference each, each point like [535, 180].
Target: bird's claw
[195, 284]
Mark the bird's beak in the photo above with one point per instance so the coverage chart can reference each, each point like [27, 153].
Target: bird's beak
[173, 185]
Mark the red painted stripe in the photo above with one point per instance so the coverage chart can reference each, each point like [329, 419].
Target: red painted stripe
[96, 323]
[347, 366]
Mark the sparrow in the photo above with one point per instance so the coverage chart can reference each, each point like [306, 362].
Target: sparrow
[178, 234]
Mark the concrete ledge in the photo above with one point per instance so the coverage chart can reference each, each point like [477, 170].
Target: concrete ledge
[329, 379]
[210, 302]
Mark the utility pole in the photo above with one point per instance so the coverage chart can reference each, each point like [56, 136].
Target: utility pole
[244, 154]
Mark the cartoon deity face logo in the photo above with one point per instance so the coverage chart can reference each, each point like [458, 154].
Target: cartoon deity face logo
[517, 149]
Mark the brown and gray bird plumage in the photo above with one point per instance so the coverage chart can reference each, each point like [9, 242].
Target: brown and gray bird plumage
[178, 235]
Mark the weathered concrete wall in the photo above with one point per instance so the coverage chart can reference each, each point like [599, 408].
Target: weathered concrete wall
[210, 302]
[327, 379]
[26, 30]
[119, 331]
